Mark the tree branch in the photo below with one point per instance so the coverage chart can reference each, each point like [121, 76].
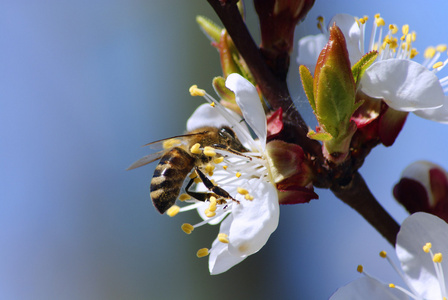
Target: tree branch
[358, 196]
[274, 89]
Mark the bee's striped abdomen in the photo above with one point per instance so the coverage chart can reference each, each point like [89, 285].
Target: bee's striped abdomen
[169, 176]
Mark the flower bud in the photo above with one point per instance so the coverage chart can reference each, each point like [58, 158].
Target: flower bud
[423, 187]
[332, 97]
[291, 171]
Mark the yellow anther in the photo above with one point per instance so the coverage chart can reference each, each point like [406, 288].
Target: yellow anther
[362, 21]
[413, 36]
[383, 254]
[320, 19]
[405, 29]
[187, 228]
[437, 65]
[242, 191]
[380, 22]
[427, 247]
[249, 197]
[197, 180]
[223, 238]
[193, 175]
[184, 197]
[209, 151]
[391, 285]
[173, 210]
[214, 182]
[209, 213]
[195, 148]
[212, 104]
[202, 252]
[212, 207]
[224, 167]
[195, 91]
[414, 53]
[171, 143]
[238, 174]
[218, 160]
[212, 200]
[437, 258]
[209, 168]
[377, 16]
[429, 52]
[360, 269]
[393, 28]
[441, 48]
[320, 22]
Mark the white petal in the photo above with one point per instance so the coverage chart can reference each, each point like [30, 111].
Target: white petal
[206, 115]
[438, 114]
[254, 221]
[405, 85]
[247, 98]
[220, 259]
[352, 34]
[367, 288]
[309, 50]
[417, 230]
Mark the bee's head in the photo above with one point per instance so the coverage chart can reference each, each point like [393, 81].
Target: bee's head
[229, 138]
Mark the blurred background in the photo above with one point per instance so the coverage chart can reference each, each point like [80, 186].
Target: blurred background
[85, 83]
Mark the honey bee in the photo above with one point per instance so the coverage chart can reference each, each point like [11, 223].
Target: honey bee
[177, 161]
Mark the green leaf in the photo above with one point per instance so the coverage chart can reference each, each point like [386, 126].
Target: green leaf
[210, 29]
[319, 136]
[307, 82]
[361, 66]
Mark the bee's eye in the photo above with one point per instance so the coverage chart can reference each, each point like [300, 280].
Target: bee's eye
[227, 133]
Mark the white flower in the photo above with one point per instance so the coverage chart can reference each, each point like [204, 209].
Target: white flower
[402, 83]
[249, 219]
[424, 271]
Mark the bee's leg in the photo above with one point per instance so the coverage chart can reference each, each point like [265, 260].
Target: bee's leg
[196, 195]
[213, 188]
[228, 149]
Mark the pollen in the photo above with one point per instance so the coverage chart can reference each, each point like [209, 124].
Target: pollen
[393, 28]
[383, 254]
[195, 148]
[202, 252]
[173, 210]
[197, 180]
[225, 167]
[242, 191]
[391, 285]
[195, 91]
[187, 228]
[171, 143]
[209, 151]
[380, 22]
[427, 247]
[405, 29]
[249, 197]
[238, 174]
[223, 238]
[218, 160]
[430, 52]
[209, 168]
[360, 269]
[193, 175]
[212, 104]
[441, 48]
[209, 213]
[184, 197]
[437, 258]
[437, 65]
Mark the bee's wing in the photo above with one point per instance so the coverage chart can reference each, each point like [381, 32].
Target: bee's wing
[159, 143]
[146, 160]
[165, 145]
